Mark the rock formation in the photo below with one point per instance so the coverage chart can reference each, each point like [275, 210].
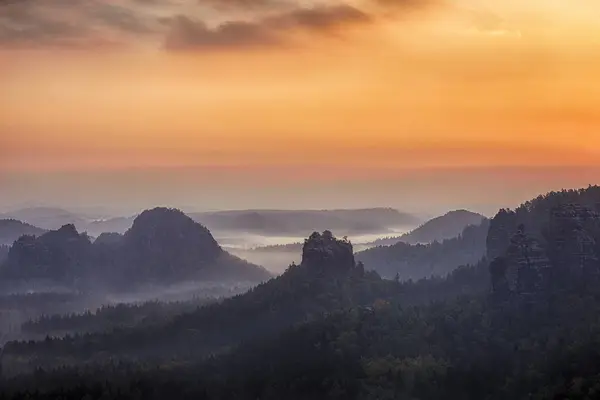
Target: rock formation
[324, 253]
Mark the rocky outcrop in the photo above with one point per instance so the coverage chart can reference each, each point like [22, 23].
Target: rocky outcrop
[527, 266]
[572, 241]
[502, 227]
[324, 253]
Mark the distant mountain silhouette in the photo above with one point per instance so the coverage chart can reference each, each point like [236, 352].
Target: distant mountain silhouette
[12, 229]
[416, 261]
[62, 255]
[163, 245]
[167, 244]
[303, 222]
[264, 222]
[275, 248]
[46, 217]
[447, 226]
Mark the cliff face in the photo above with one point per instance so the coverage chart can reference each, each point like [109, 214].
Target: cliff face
[502, 227]
[555, 244]
[527, 268]
[573, 235]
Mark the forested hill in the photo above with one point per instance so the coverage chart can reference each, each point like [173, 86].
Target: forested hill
[418, 261]
[447, 226]
[12, 229]
[552, 241]
[163, 245]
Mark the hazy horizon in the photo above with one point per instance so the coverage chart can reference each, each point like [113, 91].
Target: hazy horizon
[425, 192]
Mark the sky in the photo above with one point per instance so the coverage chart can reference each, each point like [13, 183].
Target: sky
[216, 104]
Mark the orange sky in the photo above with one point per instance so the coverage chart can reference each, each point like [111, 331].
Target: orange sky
[366, 84]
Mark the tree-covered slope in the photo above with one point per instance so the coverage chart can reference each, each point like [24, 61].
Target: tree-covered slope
[163, 245]
[12, 229]
[422, 260]
[447, 226]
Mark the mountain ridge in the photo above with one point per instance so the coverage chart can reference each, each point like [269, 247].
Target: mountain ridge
[163, 244]
[12, 229]
[447, 226]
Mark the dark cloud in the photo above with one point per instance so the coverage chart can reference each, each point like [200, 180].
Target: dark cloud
[406, 4]
[67, 22]
[227, 5]
[21, 25]
[188, 34]
[119, 17]
[63, 22]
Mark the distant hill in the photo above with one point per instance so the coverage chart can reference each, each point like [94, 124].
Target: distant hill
[416, 261]
[46, 217]
[447, 226]
[303, 222]
[63, 255]
[275, 248]
[12, 229]
[262, 222]
[163, 245]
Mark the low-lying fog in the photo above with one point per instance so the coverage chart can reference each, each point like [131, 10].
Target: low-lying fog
[276, 253]
[33, 300]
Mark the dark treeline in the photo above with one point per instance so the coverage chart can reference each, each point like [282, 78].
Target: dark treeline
[110, 317]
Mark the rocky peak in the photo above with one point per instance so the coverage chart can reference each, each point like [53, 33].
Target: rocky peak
[323, 252]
